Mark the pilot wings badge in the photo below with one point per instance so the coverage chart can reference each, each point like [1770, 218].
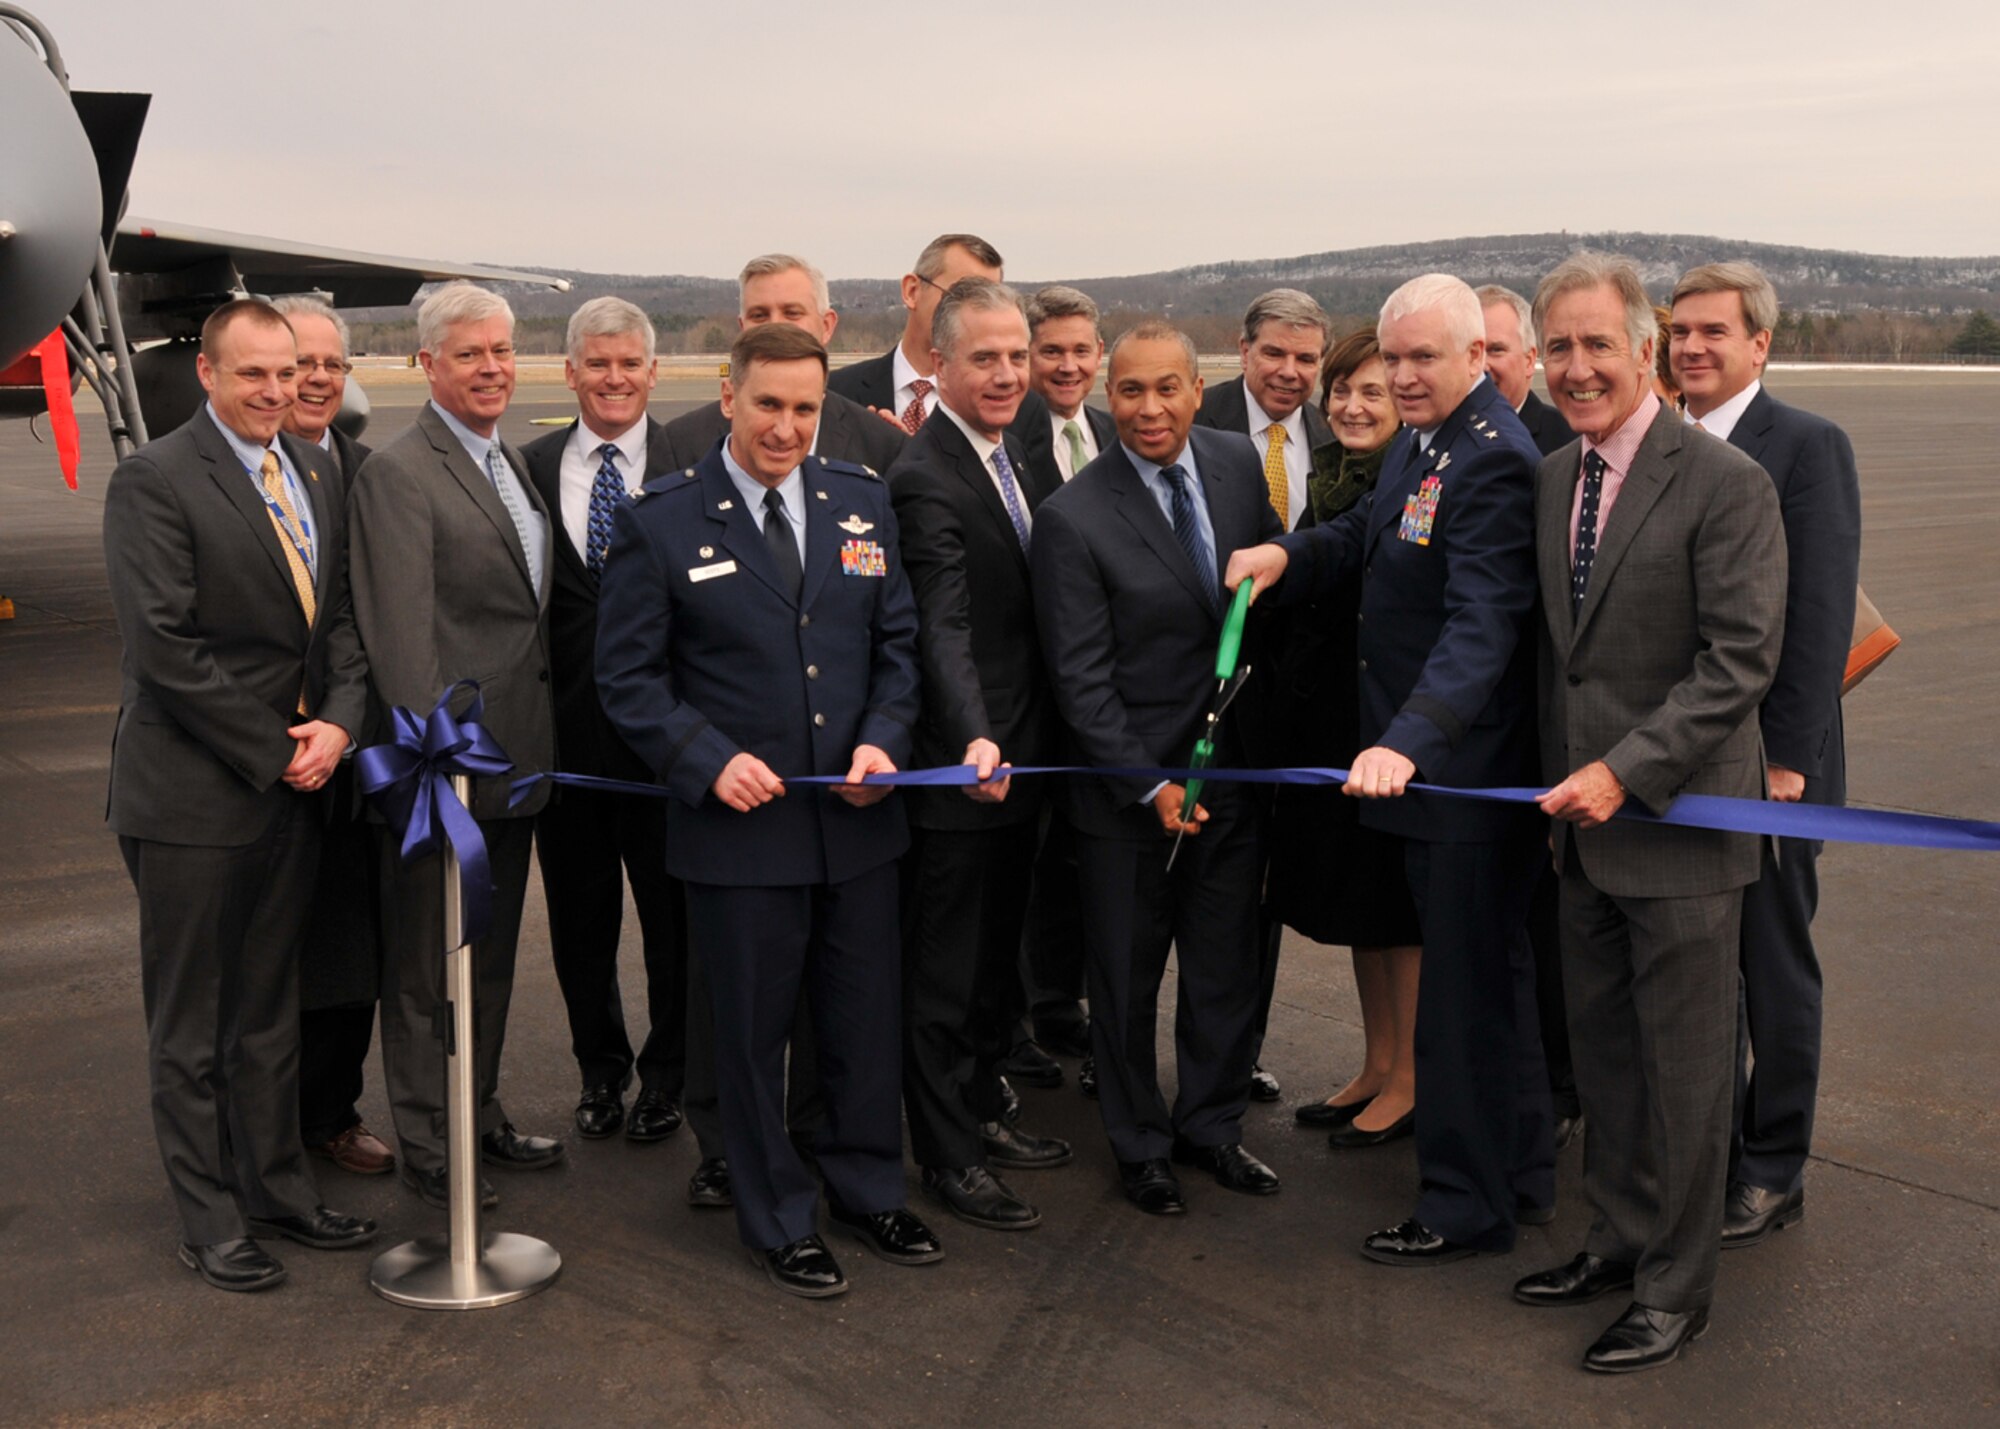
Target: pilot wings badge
[855, 526]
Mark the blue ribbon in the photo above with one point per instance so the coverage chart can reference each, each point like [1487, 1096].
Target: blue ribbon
[408, 780]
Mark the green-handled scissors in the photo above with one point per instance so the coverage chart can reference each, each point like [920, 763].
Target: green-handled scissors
[1230, 678]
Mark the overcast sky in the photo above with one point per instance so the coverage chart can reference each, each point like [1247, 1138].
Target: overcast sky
[1082, 139]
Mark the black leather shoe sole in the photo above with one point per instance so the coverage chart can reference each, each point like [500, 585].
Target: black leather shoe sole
[241, 1287]
[1653, 1361]
[1007, 1161]
[881, 1252]
[985, 1223]
[264, 1230]
[794, 1287]
[1744, 1240]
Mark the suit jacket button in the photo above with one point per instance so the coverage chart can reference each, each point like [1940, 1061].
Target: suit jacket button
[812, 672]
[819, 719]
[804, 621]
[1364, 664]
[1576, 679]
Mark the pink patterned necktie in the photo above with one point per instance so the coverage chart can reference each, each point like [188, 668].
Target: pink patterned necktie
[913, 415]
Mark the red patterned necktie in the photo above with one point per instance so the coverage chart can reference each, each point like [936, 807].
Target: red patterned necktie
[913, 415]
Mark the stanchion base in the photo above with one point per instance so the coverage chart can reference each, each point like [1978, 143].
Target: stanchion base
[420, 1273]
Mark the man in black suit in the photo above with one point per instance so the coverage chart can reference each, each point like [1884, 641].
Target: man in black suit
[242, 681]
[1285, 333]
[340, 968]
[1720, 328]
[965, 507]
[1511, 351]
[901, 382]
[782, 288]
[450, 485]
[1127, 567]
[1445, 543]
[1065, 353]
[584, 473]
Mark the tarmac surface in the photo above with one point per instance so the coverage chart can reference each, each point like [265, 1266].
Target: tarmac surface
[1882, 1305]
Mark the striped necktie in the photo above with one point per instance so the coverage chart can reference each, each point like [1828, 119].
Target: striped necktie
[1188, 532]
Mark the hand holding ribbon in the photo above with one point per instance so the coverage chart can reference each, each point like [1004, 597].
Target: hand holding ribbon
[408, 780]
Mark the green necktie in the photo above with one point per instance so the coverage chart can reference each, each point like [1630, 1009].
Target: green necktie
[1078, 459]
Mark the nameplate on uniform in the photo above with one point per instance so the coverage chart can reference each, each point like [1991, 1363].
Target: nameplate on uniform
[863, 558]
[1420, 511]
[709, 573]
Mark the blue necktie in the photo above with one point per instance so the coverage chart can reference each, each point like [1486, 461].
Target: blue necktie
[1189, 534]
[1010, 494]
[607, 494]
[1594, 467]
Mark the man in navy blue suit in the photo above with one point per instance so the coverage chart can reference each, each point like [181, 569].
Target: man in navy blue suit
[1446, 546]
[755, 623]
[1720, 332]
[1128, 598]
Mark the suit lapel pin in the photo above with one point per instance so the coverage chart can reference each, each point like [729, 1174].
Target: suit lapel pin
[855, 526]
[725, 506]
[707, 551]
[1444, 461]
[820, 494]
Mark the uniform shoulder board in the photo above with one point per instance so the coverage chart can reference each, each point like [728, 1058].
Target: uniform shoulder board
[850, 468]
[671, 481]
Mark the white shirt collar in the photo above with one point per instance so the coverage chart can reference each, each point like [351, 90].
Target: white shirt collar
[1722, 421]
[1294, 425]
[631, 443]
[904, 374]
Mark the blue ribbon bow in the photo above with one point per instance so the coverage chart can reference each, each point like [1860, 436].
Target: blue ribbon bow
[408, 780]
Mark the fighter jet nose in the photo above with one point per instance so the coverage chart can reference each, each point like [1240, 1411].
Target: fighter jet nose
[51, 207]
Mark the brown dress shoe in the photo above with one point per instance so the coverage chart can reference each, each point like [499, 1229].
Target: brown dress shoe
[359, 1150]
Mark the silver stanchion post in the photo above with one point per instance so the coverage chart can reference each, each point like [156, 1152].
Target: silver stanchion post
[462, 1270]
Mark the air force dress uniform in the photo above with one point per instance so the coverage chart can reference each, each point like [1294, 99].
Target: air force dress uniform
[705, 651]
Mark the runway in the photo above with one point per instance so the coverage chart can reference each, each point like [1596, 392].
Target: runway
[1882, 1305]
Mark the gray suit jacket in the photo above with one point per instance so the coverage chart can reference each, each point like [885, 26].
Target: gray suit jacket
[217, 648]
[1660, 672]
[442, 593]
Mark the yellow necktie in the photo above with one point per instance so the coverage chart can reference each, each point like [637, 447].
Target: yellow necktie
[1274, 473]
[291, 539]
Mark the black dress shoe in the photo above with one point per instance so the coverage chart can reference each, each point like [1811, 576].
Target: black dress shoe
[433, 1188]
[895, 1236]
[1152, 1187]
[1351, 1137]
[979, 1198]
[600, 1111]
[1264, 1087]
[655, 1117]
[233, 1264]
[1579, 1282]
[1032, 1067]
[1325, 1116]
[708, 1188]
[1013, 1149]
[1752, 1213]
[1086, 1078]
[1568, 1129]
[1234, 1168]
[805, 1267]
[1413, 1243]
[1065, 1039]
[1010, 1103]
[322, 1230]
[1643, 1338]
[509, 1149]
[1527, 1214]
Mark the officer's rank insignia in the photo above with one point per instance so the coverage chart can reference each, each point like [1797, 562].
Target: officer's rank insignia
[725, 506]
[855, 526]
[1443, 462]
[863, 558]
[706, 552]
[1420, 511]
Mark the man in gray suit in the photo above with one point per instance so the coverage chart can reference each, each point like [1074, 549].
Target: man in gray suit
[450, 568]
[242, 678]
[1662, 564]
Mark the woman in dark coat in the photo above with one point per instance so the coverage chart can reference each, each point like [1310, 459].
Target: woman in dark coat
[1331, 879]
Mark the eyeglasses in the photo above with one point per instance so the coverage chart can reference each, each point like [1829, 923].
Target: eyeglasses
[335, 366]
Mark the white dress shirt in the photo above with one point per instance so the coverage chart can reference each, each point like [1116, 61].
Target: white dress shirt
[1722, 421]
[578, 474]
[1298, 453]
[906, 376]
[984, 449]
[1090, 452]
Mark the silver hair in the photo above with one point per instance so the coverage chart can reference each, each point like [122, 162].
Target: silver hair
[1058, 301]
[1287, 307]
[930, 262]
[1465, 320]
[1746, 280]
[765, 264]
[305, 304]
[456, 303]
[1585, 269]
[1158, 330]
[1495, 296]
[973, 294]
[606, 317]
